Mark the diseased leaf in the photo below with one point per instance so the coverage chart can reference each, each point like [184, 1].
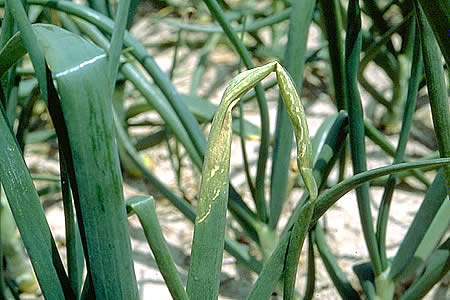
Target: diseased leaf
[208, 243]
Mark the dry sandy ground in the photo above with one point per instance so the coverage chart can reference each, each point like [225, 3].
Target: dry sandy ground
[344, 231]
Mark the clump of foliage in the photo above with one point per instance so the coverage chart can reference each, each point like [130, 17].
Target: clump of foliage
[79, 69]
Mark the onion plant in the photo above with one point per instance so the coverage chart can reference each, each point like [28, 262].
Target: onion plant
[81, 55]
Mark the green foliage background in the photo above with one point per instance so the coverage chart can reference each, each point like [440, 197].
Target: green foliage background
[73, 62]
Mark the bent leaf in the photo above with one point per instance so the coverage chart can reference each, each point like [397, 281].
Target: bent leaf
[208, 243]
[144, 207]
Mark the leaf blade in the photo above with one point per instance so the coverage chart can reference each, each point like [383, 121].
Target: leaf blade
[144, 207]
[86, 135]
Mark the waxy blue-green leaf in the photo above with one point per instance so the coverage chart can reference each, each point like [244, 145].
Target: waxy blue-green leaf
[7, 26]
[297, 238]
[271, 272]
[331, 13]
[251, 27]
[44, 254]
[296, 113]
[12, 251]
[144, 207]
[158, 101]
[29, 214]
[437, 14]
[10, 53]
[364, 272]
[436, 268]
[150, 93]
[74, 246]
[140, 52]
[434, 199]
[329, 197]
[353, 42]
[91, 154]
[203, 110]
[233, 247]
[115, 49]
[410, 104]
[436, 86]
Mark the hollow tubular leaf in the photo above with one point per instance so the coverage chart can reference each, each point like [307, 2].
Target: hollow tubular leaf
[310, 285]
[329, 197]
[74, 246]
[294, 249]
[416, 71]
[297, 116]
[437, 89]
[356, 127]
[264, 285]
[295, 55]
[208, 242]
[437, 14]
[434, 198]
[152, 97]
[263, 154]
[271, 272]
[140, 52]
[144, 207]
[327, 143]
[330, 10]
[251, 27]
[28, 214]
[79, 72]
[7, 26]
[328, 150]
[378, 138]
[185, 208]
[115, 48]
[437, 266]
[31, 44]
[209, 231]
[168, 114]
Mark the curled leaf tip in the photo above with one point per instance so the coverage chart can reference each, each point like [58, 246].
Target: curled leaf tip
[245, 81]
[297, 116]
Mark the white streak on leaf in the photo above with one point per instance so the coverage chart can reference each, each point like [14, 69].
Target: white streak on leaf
[205, 215]
[81, 65]
[203, 218]
[216, 194]
[214, 170]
